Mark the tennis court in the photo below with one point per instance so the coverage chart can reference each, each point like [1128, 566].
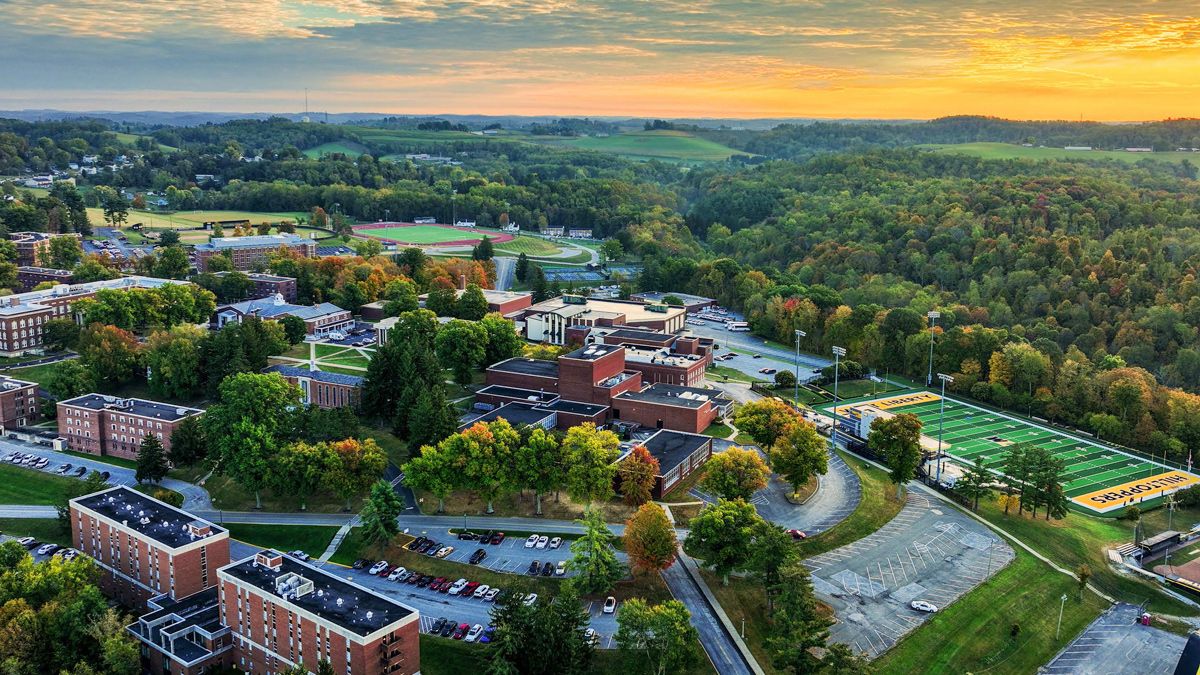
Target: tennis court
[1099, 478]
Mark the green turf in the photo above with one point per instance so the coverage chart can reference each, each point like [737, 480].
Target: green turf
[20, 485]
[1011, 151]
[424, 234]
[42, 529]
[312, 539]
[667, 145]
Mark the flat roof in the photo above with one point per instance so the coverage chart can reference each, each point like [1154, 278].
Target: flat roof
[517, 414]
[632, 310]
[31, 269]
[670, 448]
[318, 375]
[518, 393]
[177, 619]
[525, 366]
[671, 394]
[132, 406]
[147, 516]
[575, 407]
[687, 298]
[640, 334]
[7, 382]
[350, 606]
[255, 241]
[32, 298]
[592, 352]
[256, 276]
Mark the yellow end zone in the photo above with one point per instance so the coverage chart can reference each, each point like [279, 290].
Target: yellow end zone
[901, 401]
[1128, 494]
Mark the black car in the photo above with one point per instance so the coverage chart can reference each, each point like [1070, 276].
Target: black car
[448, 629]
[416, 543]
[424, 580]
[430, 545]
[534, 568]
[548, 569]
[80, 471]
[33, 544]
[438, 625]
[104, 475]
[467, 536]
[360, 563]
[477, 556]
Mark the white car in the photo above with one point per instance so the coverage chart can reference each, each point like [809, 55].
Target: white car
[610, 605]
[556, 542]
[490, 596]
[457, 587]
[531, 541]
[481, 591]
[474, 633]
[396, 574]
[923, 606]
[591, 636]
[47, 549]
[561, 569]
[377, 567]
[530, 599]
[542, 541]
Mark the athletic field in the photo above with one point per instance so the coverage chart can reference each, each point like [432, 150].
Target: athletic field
[407, 234]
[1099, 478]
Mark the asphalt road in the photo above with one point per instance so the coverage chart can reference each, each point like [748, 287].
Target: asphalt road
[717, 642]
[746, 341]
[505, 269]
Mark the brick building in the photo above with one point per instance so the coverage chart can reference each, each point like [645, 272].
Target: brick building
[184, 637]
[266, 285]
[32, 245]
[658, 356]
[246, 252]
[549, 321]
[22, 315]
[282, 611]
[504, 302]
[29, 276]
[107, 425]
[322, 389]
[668, 406]
[18, 402]
[318, 319]
[678, 455]
[146, 548]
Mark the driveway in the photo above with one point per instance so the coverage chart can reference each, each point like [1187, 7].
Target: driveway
[752, 343]
[505, 270]
[717, 642]
[928, 551]
[1115, 644]
[839, 494]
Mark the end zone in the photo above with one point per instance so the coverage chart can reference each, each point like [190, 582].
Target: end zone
[1135, 491]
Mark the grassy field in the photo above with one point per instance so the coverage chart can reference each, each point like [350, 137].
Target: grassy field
[131, 139]
[42, 529]
[424, 234]
[664, 145]
[115, 461]
[312, 539]
[530, 246]
[227, 495]
[26, 486]
[973, 634]
[349, 148]
[878, 506]
[718, 430]
[188, 219]
[856, 388]
[521, 505]
[1010, 151]
[727, 374]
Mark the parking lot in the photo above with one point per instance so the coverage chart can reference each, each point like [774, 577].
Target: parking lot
[37, 556]
[358, 333]
[929, 551]
[509, 556]
[1116, 644]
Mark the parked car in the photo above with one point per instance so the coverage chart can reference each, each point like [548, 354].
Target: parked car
[489, 634]
[474, 633]
[923, 606]
[556, 542]
[478, 556]
[424, 581]
[497, 538]
[610, 605]
[461, 631]
[468, 591]
[27, 542]
[530, 599]
[378, 567]
[430, 547]
[395, 574]
[80, 471]
[448, 629]
[531, 541]
[797, 534]
[481, 591]
[444, 551]
[47, 549]
[534, 568]
[435, 584]
[548, 568]
[490, 595]
[104, 475]
[360, 563]
[438, 625]
[416, 543]
[457, 587]
[404, 577]
[561, 569]
[542, 541]
[591, 636]
[413, 578]
[467, 536]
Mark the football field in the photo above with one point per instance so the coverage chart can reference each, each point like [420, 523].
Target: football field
[428, 235]
[1099, 478]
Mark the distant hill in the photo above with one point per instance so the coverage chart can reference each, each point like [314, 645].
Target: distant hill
[659, 144]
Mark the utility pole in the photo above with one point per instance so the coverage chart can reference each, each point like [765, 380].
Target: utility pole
[933, 317]
[941, 421]
[1058, 631]
[796, 387]
[838, 352]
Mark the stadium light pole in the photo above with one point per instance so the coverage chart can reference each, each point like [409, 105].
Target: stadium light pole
[838, 352]
[796, 384]
[941, 420]
[933, 317]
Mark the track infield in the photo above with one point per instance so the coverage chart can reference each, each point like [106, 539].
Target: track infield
[1099, 479]
[411, 234]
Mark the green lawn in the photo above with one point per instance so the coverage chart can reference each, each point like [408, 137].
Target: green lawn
[425, 234]
[878, 506]
[727, 374]
[530, 246]
[973, 634]
[227, 495]
[115, 461]
[36, 488]
[1011, 151]
[42, 529]
[662, 144]
[718, 430]
[857, 388]
[804, 396]
[312, 539]
[150, 489]
[440, 656]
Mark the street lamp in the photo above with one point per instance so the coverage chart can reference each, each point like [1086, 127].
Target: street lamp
[941, 419]
[1058, 630]
[796, 386]
[933, 317]
[838, 353]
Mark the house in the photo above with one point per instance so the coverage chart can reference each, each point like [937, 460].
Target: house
[554, 231]
[580, 233]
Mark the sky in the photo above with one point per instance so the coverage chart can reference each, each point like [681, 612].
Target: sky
[1020, 59]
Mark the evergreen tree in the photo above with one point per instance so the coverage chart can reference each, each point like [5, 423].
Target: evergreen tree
[432, 418]
[522, 268]
[798, 624]
[973, 483]
[472, 306]
[541, 291]
[483, 250]
[151, 460]
[594, 559]
[188, 445]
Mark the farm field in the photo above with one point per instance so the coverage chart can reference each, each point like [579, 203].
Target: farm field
[131, 139]
[1093, 469]
[1010, 151]
[345, 147]
[665, 145]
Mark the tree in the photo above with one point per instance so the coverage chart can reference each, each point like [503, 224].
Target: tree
[379, 515]
[168, 237]
[63, 253]
[483, 250]
[60, 334]
[434, 470]
[521, 271]
[719, 533]
[589, 455]
[151, 460]
[974, 482]
[111, 354]
[1083, 574]
[69, 379]
[897, 440]
[368, 248]
[460, 346]
[488, 453]
[639, 472]
[471, 305]
[765, 420]
[357, 465]
[658, 638]
[785, 379]
[593, 557]
[173, 362]
[773, 549]
[799, 454]
[433, 417]
[503, 341]
[294, 329]
[650, 539]
[735, 474]
[612, 249]
[300, 470]
[172, 263]
[188, 444]
[798, 624]
[539, 463]
[526, 634]
[441, 301]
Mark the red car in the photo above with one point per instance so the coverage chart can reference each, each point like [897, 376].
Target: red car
[497, 538]
[469, 589]
[436, 584]
[461, 631]
[387, 569]
[797, 534]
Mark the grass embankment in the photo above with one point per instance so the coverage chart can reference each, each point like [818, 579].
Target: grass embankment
[106, 459]
[312, 539]
[25, 486]
[879, 505]
[440, 656]
[973, 634]
[859, 388]
[42, 529]
[530, 246]
[727, 374]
